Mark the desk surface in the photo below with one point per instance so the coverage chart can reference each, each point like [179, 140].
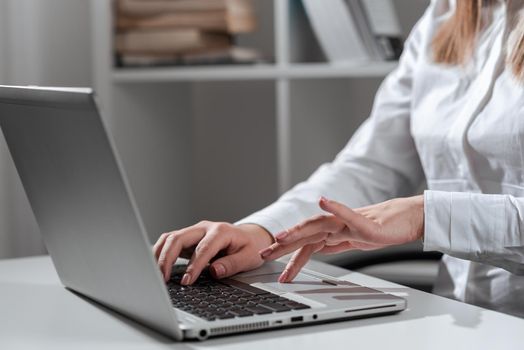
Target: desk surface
[36, 312]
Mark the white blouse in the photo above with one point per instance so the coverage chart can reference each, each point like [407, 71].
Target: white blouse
[462, 128]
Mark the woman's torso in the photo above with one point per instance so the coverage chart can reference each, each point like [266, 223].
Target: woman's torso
[468, 127]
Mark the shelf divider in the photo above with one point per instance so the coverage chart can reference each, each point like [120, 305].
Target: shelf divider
[281, 8]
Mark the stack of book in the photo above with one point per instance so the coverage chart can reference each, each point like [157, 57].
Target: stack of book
[355, 30]
[169, 32]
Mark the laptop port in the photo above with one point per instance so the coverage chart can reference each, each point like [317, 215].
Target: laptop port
[297, 319]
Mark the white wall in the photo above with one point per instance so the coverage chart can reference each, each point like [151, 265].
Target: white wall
[47, 42]
[41, 43]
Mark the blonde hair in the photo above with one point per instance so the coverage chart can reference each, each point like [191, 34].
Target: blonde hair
[455, 40]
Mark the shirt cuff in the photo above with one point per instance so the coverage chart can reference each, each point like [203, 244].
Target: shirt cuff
[466, 225]
[437, 218]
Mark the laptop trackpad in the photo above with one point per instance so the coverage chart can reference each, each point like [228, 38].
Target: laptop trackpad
[268, 276]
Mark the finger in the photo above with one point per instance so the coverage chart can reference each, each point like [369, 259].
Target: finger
[298, 260]
[351, 218]
[334, 249]
[367, 246]
[345, 246]
[207, 248]
[232, 264]
[310, 227]
[276, 250]
[174, 244]
[157, 247]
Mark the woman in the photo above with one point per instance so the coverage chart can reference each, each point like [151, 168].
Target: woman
[452, 112]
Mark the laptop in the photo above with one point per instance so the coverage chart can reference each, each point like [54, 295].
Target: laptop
[92, 229]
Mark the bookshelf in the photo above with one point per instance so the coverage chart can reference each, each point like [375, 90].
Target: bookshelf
[271, 124]
[255, 72]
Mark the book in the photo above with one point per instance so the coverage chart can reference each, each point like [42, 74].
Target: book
[165, 41]
[385, 26]
[336, 31]
[139, 8]
[363, 26]
[216, 20]
[233, 55]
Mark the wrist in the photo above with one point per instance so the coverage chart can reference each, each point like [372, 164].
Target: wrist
[263, 238]
[419, 207]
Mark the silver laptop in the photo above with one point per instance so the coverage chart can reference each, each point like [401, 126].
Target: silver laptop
[92, 229]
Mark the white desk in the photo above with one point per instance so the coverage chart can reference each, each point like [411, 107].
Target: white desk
[36, 312]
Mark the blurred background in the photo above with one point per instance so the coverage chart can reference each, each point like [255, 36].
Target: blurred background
[215, 110]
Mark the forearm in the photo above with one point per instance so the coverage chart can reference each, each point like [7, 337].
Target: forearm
[349, 181]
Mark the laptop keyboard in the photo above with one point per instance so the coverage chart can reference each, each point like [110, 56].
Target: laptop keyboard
[212, 299]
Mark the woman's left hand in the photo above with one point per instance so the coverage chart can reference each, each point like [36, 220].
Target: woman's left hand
[396, 221]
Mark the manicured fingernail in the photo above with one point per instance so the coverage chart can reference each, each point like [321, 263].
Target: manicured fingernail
[220, 270]
[186, 279]
[282, 235]
[266, 252]
[283, 277]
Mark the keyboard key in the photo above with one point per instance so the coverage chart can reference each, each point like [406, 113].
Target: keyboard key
[241, 312]
[297, 306]
[276, 307]
[259, 310]
[246, 287]
[281, 300]
[272, 296]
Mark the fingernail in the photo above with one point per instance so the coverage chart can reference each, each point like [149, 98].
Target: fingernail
[323, 200]
[282, 235]
[266, 252]
[283, 277]
[186, 279]
[220, 270]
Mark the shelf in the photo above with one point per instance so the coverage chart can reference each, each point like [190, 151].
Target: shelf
[252, 72]
[325, 70]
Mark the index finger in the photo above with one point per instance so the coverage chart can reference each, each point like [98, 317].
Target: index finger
[298, 260]
[277, 250]
[207, 248]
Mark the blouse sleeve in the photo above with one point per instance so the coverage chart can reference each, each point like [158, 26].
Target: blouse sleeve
[487, 228]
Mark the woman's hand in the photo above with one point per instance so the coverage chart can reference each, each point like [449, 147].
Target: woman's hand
[392, 222]
[234, 247]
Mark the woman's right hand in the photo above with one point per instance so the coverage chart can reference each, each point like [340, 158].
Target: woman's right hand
[235, 249]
